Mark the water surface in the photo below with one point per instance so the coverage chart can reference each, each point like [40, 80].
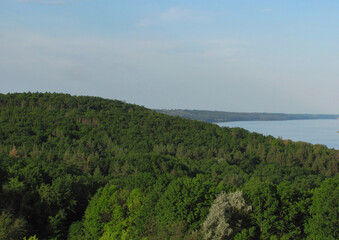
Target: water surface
[319, 131]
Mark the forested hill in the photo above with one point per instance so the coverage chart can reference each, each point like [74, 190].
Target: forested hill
[220, 116]
[92, 168]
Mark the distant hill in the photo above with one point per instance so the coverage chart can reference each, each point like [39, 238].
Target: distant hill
[220, 116]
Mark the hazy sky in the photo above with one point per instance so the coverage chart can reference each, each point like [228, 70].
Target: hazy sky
[230, 55]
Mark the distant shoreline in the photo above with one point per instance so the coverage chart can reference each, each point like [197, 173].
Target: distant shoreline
[220, 116]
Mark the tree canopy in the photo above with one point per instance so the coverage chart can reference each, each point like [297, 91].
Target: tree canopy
[76, 167]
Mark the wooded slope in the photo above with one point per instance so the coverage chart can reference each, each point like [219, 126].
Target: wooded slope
[92, 168]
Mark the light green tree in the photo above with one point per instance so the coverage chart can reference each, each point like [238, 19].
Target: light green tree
[226, 216]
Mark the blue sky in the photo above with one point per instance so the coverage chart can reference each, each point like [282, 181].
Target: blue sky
[245, 56]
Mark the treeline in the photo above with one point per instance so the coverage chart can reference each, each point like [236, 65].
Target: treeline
[220, 116]
[92, 168]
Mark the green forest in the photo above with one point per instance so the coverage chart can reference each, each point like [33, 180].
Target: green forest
[79, 167]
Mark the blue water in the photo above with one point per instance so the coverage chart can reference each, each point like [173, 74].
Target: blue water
[320, 131]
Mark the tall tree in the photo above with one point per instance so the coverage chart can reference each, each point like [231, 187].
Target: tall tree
[324, 222]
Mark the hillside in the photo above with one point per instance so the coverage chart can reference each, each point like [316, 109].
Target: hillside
[75, 167]
[220, 116]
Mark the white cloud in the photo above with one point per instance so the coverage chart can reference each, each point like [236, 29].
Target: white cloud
[46, 2]
[110, 66]
[201, 74]
[175, 15]
[144, 23]
[268, 9]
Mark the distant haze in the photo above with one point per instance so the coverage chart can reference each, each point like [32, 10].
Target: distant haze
[240, 56]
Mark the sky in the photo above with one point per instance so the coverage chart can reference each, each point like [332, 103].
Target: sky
[230, 55]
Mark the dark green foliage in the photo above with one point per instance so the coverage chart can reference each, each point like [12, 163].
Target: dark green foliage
[75, 231]
[91, 168]
[11, 228]
[85, 130]
[324, 221]
[186, 200]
